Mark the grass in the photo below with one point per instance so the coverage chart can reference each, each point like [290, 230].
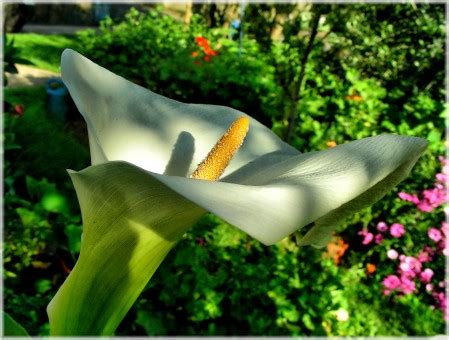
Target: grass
[44, 51]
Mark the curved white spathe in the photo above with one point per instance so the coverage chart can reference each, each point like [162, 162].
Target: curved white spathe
[136, 125]
[269, 190]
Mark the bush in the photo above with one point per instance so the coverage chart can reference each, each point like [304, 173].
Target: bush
[42, 221]
[157, 52]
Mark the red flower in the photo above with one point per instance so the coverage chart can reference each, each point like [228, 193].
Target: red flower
[201, 242]
[210, 52]
[19, 110]
[203, 42]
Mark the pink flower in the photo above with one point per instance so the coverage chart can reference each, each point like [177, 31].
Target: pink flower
[439, 185]
[391, 282]
[444, 228]
[392, 254]
[429, 250]
[446, 250]
[441, 177]
[397, 230]
[405, 267]
[410, 267]
[382, 227]
[408, 197]
[367, 236]
[429, 287]
[414, 263]
[424, 206]
[378, 238]
[440, 299]
[407, 285]
[442, 246]
[434, 234]
[430, 199]
[444, 164]
[435, 196]
[426, 275]
[445, 169]
[424, 257]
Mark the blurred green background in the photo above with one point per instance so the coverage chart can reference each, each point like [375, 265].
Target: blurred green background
[318, 75]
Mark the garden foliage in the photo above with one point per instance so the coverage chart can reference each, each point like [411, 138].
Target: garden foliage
[373, 69]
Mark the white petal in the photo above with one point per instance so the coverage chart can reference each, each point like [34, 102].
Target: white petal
[271, 202]
[322, 186]
[127, 122]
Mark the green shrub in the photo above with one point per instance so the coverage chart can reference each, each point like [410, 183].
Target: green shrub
[40, 216]
[155, 51]
[48, 147]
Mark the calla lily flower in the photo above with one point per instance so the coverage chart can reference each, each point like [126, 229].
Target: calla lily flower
[138, 198]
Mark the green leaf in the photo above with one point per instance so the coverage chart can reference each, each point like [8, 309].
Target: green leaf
[434, 136]
[55, 202]
[152, 325]
[73, 233]
[43, 285]
[131, 221]
[307, 320]
[389, 126]
[38, 188]
[12, 328]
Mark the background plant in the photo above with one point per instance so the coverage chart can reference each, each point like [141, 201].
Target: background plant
[371, 69]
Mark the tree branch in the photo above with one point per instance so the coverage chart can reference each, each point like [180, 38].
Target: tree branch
[296, 91]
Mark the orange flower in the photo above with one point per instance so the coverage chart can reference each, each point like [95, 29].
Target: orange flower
[354, 97]
[331, 143]
[194, 54]
[371, 268]
[336, 250]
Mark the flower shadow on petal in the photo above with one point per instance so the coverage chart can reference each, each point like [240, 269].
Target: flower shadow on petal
[181, 156]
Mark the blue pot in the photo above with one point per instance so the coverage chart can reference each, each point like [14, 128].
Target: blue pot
[57, 98]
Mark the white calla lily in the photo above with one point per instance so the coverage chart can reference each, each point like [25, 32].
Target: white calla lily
[143, 143]
[269, 190]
